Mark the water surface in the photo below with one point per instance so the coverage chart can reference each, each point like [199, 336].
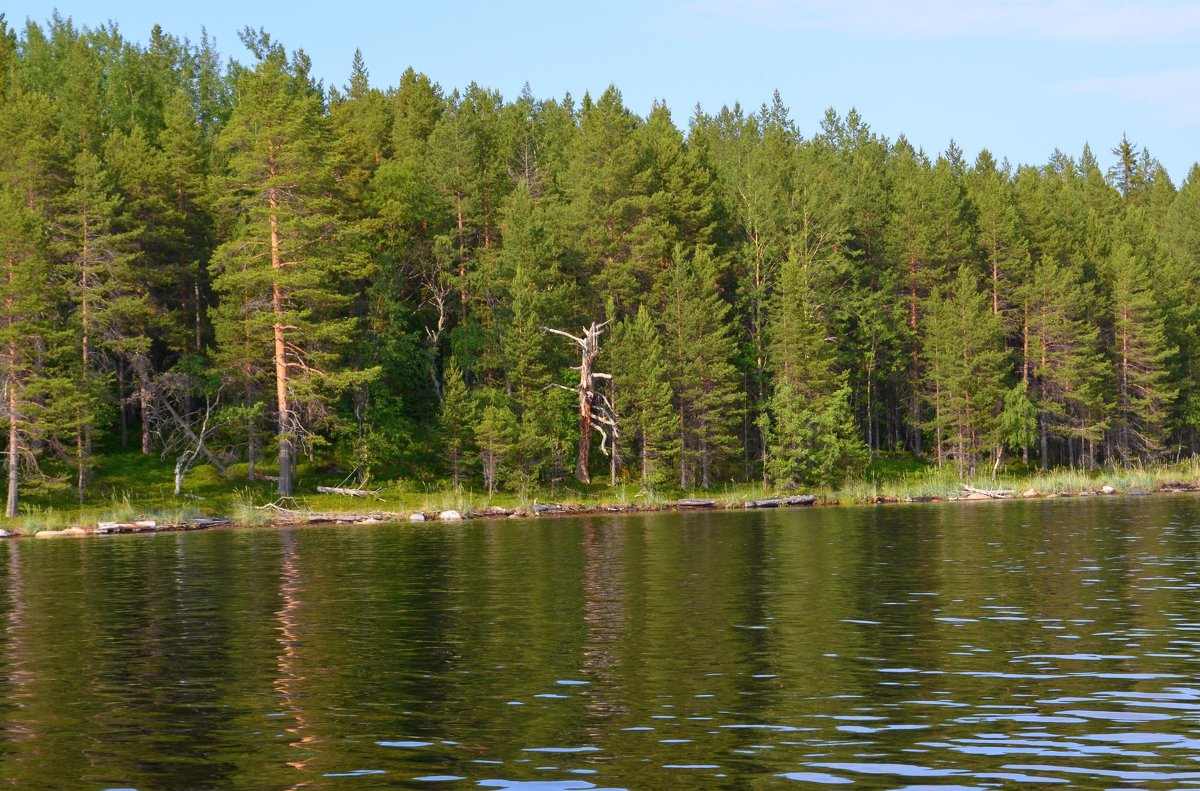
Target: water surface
[1025, 644]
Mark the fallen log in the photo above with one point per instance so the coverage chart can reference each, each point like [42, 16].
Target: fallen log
[692, 502]
[348, 492]
[773, 502]
[801, 499]
[137, 526]
[201, 522]
[995, 494]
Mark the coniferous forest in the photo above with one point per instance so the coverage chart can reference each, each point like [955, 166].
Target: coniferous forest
[231, 264]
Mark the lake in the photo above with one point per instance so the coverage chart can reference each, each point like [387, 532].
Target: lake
[982, 645]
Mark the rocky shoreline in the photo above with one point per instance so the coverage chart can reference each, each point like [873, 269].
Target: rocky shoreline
[285, 517]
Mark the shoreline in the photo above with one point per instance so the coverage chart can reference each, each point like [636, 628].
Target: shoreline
[299, 518]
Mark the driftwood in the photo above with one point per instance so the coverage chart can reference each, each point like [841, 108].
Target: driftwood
[139, 526]
[691, 502]
[348, 492]
[292, 516]
[544, 508]
[201, 522]
[151, 526]
[776, 502]
[995, 494]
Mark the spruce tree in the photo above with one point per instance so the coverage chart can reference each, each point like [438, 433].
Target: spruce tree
[495, 433]
[700, 352]
[643, 398]
[811, 432]
[605, 183]
[1181, 285]
[456, 423]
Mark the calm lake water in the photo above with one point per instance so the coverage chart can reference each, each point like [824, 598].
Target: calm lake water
[1015, 645]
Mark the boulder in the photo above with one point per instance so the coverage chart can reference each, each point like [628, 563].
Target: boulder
[417, 517]
[450, 516]
[1107, 489]
[1031, 493]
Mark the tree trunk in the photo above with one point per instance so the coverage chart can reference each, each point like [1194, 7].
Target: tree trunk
[583, 462]
[281, 371]
[645, 462]
[144, 400]
[1044, 443]
[14, 449]
[915, 368]
[251, 437]
[196, 298]
[82, 436]
[122, 404]
[14, 435]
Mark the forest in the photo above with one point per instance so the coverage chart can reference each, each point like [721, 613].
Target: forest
[232, 264]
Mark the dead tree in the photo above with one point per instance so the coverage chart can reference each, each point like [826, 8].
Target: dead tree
[182, 424]
[595, 409]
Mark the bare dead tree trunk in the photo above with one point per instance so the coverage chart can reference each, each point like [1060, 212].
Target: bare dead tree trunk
[595, 409]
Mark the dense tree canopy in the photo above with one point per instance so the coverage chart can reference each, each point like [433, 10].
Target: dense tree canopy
[365, 275]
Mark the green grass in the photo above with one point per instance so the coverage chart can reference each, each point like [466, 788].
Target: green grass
[127, 485]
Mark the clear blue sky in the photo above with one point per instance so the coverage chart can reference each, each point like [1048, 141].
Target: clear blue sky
[1019, 77]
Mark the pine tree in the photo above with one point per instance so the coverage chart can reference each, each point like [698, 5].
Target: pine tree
[279, 269]
[930, 235]
[98, 258]
[810, 427]
[1067, 377]
[753, 159]
[186, 156]
[965, 363]
[27, 304]
[1140, 355]
[1181, 285]
[999, 238]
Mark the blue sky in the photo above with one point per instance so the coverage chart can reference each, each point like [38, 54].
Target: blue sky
[1019, 77]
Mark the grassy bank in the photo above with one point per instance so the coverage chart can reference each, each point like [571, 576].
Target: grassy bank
[131, 486]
